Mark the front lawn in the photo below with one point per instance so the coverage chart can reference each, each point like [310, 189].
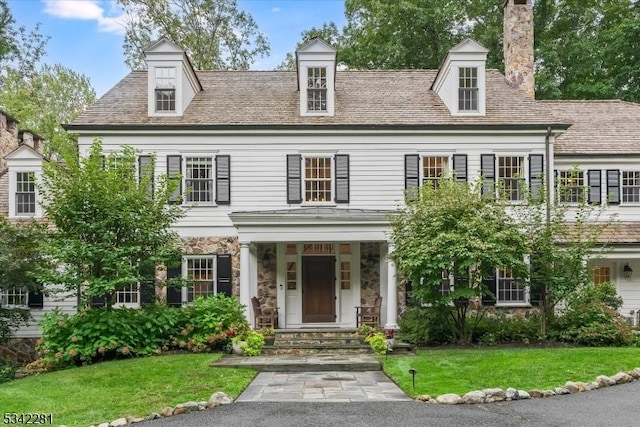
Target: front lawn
[459, 371]
[110, 390]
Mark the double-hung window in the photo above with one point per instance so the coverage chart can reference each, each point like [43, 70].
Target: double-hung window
[601, 274]
[14, 297]
[128, 295]
[165, 89]
[204, 178]
[511, 177]
[317, 179]
[199, 179]
[433, 169]
[468, 89]
[630, 186]
[317, 89]
[25, 196]
[509, 291]
[571, 186]
[200, 271]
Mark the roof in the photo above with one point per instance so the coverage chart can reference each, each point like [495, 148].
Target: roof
[270, 99]
[599, 127]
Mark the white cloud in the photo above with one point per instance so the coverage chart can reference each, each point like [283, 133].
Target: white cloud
[275, 10]
[88, 10]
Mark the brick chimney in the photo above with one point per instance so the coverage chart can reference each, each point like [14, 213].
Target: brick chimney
[518, 45]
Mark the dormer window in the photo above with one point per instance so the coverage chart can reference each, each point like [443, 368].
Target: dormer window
[317, 89]
[165, 89]
[468, 89]
[25, 193]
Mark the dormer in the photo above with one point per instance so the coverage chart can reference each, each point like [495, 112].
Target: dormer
[24, 166]
[461, 82]
[172, 81]
[316, 65]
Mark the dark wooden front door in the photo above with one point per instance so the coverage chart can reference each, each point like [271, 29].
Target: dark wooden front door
[318, 289]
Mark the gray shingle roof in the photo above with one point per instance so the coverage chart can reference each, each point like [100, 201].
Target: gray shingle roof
[599, 127]
[270, 98]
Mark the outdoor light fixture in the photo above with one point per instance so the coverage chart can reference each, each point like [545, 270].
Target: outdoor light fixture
[627, 272]
[266, 260]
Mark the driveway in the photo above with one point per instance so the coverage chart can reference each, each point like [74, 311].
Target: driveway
[614, 406]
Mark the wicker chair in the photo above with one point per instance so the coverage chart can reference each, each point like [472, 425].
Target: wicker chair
[369, 314]
[261, 318]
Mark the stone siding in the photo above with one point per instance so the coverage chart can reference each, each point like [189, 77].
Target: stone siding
[518, 46]
[267, 277]
[369, 272]
[217, 246]
[20, 350]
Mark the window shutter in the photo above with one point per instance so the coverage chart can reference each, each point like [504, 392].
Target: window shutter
[35, 299]
[342, 178]
[536, 174]
[613, 186]
[145, 165]
[490, 283]
[294, 178]
[174, 173]
[174, 294]
[411, 175]
[223, 182]
[488, 170]
[97, 302]
[103, 160]
[460, 167]
[223, 279]
[147, 291]
[595, 186]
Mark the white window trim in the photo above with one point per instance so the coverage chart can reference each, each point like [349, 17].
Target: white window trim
[525, 174]
[622, 186]
[185, 272]
[332, 168]
[4, 294]
[204, 154]
[527, 295]
[329, 65]
[448, 170]
[584, 187]
[481, 81]
[13, 187]
[152, 112]
[129, 304]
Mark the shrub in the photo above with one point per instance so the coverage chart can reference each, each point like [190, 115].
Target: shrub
[7, 371]
[378, 342]
[253, 343]
[423, 326]
[502, 329]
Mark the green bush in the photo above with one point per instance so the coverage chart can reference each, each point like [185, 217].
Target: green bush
[378, 342]
[502, 329]
[424, 326]
[7, 371]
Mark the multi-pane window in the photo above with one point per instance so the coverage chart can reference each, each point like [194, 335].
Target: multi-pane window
[601, 275]
[511, 177]
[14, 296]
[445, 283]
[433, 168]
[631, 186]
[25, 193]
[201, 274]
[127, 294]
[317, 179]
[199, 179]
[165, 89]
[570, 186]
[317, 89]
[468, 89]
[508, 289]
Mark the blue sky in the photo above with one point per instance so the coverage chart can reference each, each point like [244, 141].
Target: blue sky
[86, 37]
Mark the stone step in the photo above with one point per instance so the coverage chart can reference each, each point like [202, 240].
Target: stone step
[303, 363]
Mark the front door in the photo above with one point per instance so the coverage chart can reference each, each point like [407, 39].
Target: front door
[318, 289]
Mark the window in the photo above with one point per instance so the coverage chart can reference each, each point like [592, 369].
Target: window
[14, 297]
[317, 89]
[511, 177]
[468, 89]
[570, 186]
[317, 179]
[508, 290]
[631, 186]
[200, 273]
[601, 275]
[165, 89]
[25, 193]
[199, 179]
[127, 294]
[433, 168]
[445, 283]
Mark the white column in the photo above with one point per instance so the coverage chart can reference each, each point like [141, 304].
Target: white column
[392, 292]
[245, 280]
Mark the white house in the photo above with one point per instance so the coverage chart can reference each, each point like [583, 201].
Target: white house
[289, 176]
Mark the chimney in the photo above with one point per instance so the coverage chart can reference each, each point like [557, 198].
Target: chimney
[518, 45]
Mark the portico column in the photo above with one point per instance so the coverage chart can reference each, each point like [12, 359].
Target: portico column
[245, 279]
[392, 292]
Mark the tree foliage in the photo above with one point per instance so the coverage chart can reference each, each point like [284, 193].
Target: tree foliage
[109, 225]
[216, 34]
[453, 229]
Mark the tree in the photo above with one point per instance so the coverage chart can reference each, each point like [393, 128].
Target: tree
[328, 33]
[454, 229]
[110, 223]
[19, 258]
[48, 97]
[214, 33]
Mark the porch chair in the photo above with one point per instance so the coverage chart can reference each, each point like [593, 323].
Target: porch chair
[369, 314]
[263, 319]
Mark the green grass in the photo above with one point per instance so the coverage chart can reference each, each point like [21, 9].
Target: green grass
[110, 390]
[459, 371]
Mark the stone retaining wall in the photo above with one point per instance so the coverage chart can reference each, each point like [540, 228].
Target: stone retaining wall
[20, 350]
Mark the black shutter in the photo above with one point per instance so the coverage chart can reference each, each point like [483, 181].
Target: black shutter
[460, 167]
[411, 175]
[97, 302]
[490, 284]
[536, 174]
[147, 291]
[613, 187]
[35, 299]
[145, 166]
[223, 182]
[223, 278]
[174, 173]
[294, 178]
[595, 186]
[488, 170]
[342, 178]
[536, 278]
[174, 293]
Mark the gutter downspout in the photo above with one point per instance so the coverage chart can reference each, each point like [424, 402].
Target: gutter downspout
[547, 154]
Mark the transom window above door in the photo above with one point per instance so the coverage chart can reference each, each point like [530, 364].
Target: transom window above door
[317, 179]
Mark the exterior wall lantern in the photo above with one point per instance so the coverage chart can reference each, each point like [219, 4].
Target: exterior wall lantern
[627, 272]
